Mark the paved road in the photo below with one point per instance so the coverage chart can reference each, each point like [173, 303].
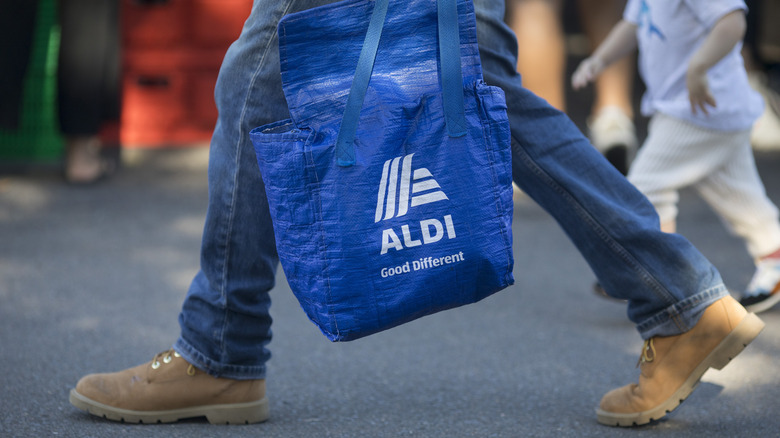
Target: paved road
[91, 280]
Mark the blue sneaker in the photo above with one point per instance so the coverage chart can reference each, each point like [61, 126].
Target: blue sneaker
[763, 291]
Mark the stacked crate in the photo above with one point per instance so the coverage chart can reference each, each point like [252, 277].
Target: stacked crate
[172, 51]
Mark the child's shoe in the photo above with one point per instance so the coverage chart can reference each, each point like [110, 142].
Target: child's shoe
[613, 133]
[763, 291]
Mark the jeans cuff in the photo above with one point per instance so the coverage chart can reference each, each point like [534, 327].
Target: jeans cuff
[216, 368]
[681, 316]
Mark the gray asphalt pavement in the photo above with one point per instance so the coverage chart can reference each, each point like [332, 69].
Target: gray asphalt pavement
[91, 280]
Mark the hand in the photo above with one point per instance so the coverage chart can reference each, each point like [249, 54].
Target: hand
[587, 72]
[699, 91]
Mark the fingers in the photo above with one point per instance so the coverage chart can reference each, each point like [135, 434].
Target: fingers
[699, 93]
[585, 73]
[580, 78]
[700, 102]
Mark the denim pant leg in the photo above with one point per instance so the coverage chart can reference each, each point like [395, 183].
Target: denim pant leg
[667, 282]
[225, 322]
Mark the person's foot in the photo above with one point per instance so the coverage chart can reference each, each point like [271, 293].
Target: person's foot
[84, 160]
[599, 290]
[671, 367]
[763, 291]
[613, 133]
[766, 130]
[169, 389]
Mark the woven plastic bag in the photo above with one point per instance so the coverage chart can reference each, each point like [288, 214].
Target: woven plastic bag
[390, 185]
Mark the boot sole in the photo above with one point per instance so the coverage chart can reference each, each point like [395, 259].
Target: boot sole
[728, 349]
[236, 413]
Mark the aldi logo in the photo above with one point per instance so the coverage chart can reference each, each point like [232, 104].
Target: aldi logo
[402, 187]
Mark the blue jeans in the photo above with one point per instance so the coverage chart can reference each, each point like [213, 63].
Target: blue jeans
[225, 322]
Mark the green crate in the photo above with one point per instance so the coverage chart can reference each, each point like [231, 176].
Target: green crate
[38, 138]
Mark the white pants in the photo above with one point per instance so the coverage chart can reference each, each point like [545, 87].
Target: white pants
[719, 165]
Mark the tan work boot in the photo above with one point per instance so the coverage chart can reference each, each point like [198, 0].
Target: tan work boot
[169, 389]
[672, 366]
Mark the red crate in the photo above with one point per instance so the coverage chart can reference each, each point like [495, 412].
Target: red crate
[172, 52]
[152, 106]
[204, 110]
[169, 96]
[153, 23]
[187, 58]
[217, 22]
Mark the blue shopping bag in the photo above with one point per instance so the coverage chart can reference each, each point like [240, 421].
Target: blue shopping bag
[390, 186]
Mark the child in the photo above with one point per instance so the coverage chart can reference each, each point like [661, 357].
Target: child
[702, 109]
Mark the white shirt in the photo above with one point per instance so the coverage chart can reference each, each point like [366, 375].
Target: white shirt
[669, 33]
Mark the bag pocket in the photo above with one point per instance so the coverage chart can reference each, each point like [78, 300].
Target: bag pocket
[281, 153]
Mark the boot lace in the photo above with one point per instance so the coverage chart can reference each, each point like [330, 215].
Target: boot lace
[166, 357]
[648, 352]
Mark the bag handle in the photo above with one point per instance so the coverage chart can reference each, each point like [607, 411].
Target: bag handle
[451, 77]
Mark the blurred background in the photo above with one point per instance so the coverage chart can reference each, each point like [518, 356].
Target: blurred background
[168, 54]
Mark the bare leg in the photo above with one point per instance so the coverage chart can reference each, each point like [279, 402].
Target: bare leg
[541, 57]
[614, 85]
[611, 123]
